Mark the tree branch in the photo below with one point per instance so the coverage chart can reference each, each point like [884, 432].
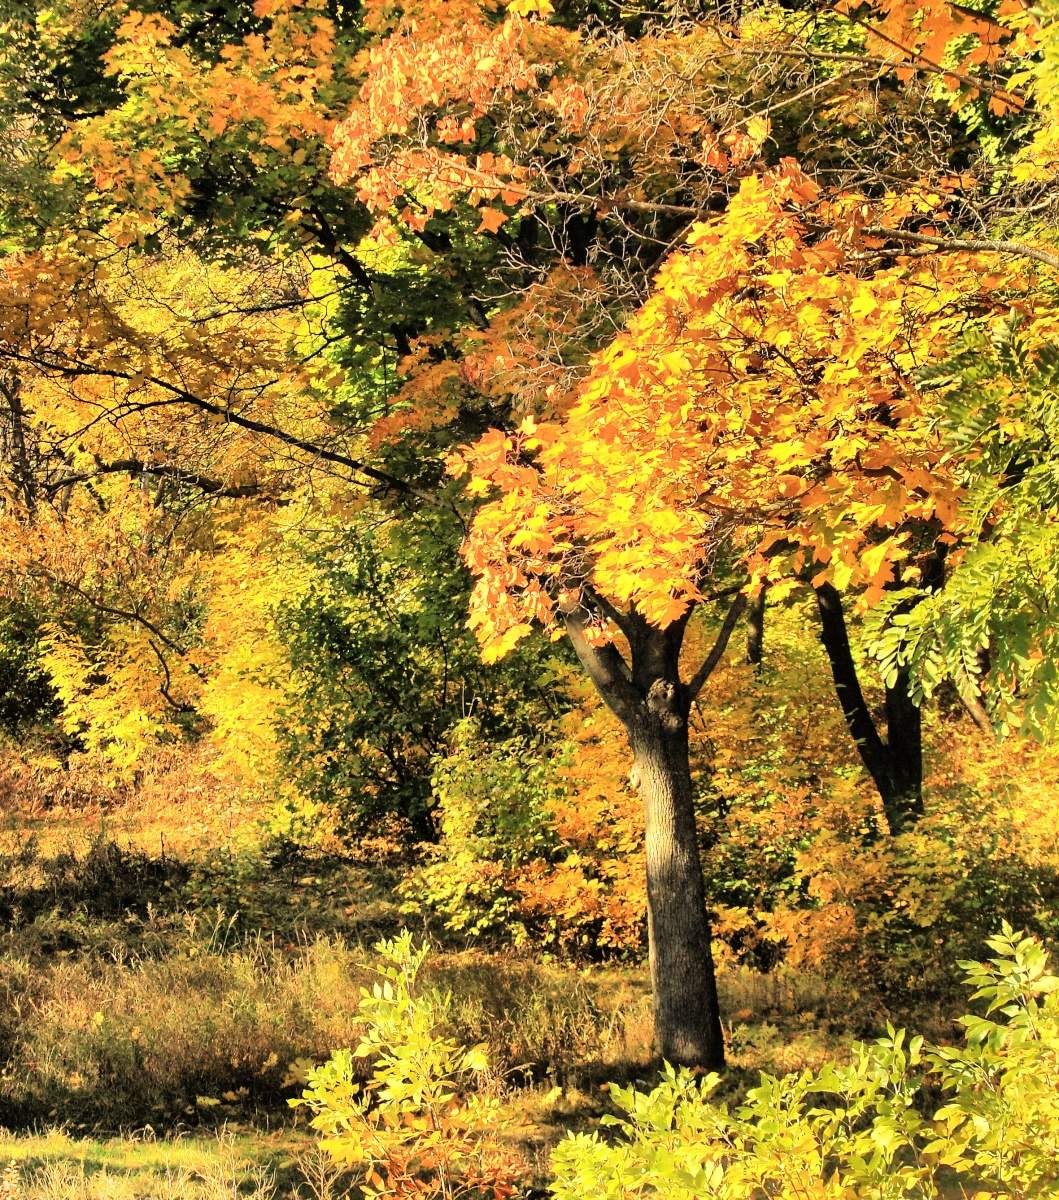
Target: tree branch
[128, 614]
[983, 245]
[610, 611]
[735, 611]
[164, 688]
[356, 270]
[182, 396]
[135, 468]
[331, 245]
[605, 667]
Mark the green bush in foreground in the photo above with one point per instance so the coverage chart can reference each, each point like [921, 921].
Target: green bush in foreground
[872, 1129]
[425, 1125]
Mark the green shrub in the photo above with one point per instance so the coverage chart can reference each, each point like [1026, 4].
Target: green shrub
[872, 1128]
[382, 666]
[491, 800]
[425, 1124]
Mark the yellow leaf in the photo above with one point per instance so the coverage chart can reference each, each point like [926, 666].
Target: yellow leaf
[526, 8]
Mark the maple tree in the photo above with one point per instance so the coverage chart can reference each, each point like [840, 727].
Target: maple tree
[763, 405]
[671, 284]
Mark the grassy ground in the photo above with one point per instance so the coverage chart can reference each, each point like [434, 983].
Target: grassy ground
[257, 1164]
[159, 1004]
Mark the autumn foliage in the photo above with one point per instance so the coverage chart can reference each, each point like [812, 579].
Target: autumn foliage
[408, 411]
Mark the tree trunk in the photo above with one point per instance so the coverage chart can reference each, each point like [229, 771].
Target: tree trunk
[896, 764]
[755, 629]
[904, 748]
[687, 1014]
[11, 389]
[648, 696]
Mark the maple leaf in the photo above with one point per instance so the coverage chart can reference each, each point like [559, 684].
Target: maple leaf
[492, 220]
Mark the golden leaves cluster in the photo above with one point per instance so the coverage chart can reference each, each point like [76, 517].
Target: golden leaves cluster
[762, 402]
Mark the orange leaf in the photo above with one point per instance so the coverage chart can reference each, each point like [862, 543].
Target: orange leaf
[492, 219]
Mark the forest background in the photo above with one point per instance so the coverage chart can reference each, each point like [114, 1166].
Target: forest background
[573, 480]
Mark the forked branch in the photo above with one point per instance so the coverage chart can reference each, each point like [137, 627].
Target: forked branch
[724, 634]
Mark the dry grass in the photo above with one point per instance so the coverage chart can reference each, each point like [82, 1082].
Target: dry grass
[140, 991]
[177, 1039]
[176, 803]
[211, 1034]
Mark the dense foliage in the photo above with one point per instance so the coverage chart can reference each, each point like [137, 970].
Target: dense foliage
[578, 478]
[901, 1119]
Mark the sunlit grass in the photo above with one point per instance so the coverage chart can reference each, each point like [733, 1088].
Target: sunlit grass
[55, 1166]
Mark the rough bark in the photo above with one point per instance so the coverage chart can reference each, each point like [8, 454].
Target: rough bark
[687, 1013]
[648, 696]
[896, 763]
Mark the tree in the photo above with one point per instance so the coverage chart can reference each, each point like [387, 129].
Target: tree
[991, 629]
[747, 415]
[895, 763]
[382, 667]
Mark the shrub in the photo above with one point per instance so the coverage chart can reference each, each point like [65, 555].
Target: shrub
[424, 1125]
[540, 841]
[857, 1130]
[382, 667]
[105, 880]
[893, 916]
[492, 803]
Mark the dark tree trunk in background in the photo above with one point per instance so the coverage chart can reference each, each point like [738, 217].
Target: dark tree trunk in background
[653, 703]
[896, 763]
[904, 748]
[11, 390]
[755, 629]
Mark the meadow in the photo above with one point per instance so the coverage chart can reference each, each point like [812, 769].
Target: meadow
[164, 998]
[161, 1010]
